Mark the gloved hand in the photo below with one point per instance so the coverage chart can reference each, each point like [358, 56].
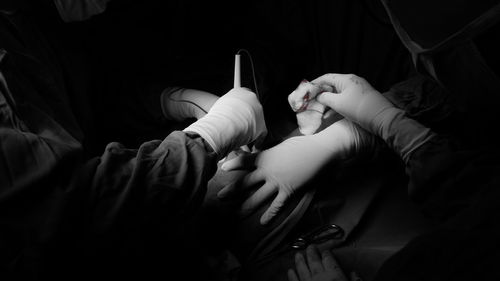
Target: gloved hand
[290, 165]
[180, 104]
[235, 119]
[319, 267]
[309, 111]
[359, 102]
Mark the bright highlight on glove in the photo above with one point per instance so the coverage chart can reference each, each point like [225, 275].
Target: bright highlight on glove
[235, 119]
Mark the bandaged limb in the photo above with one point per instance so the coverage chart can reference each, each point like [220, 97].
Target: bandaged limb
[309, 111]
[285, 168]
[180, 104]
[359, 102]
[235, 119]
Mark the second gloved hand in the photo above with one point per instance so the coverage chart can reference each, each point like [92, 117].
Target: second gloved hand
[287, 167]
[235, 119]
[359, 102]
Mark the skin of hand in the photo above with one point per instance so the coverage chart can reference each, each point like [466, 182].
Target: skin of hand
[284, 169]
[318, 267]
[355, 99]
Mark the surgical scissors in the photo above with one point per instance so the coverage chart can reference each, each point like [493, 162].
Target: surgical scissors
[318, 235]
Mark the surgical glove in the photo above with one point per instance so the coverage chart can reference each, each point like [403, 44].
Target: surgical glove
[180, 104]
[358, 101]
[318, 266]
[235, 119]
[309, 111]
[290, 165]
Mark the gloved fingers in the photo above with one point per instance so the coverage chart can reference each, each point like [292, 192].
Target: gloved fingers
[242, 185]
[331, 100]
[301, 266]
[292, 276]
[331, 265]
[337, 81]
[244, 160]
[329, 262]
[258, 198]
[275, 207]
[300, 97]
[314, 260]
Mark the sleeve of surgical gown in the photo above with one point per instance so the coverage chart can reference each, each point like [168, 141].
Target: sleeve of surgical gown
[458, 188]
[59, 212]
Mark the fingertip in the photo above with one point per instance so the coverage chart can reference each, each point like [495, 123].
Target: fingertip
[292, 276]
[264, 220]
[223, 166]
[270, 214]
[299, 257]
[266, 217]
[311, 248]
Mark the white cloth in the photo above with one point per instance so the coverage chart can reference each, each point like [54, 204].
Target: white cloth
[310, 112]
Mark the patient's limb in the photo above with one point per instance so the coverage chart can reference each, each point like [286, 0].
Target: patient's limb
[180, 104]
[282, 170]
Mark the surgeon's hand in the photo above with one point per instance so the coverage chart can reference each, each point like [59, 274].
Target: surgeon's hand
[234, 120]
[358, 101]
[354, 98]
[284, 169]
[318, 267]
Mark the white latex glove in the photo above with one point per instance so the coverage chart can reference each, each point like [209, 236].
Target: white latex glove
[309, 111]
[358, 101]
[235, 119]
[285, 168]
[180, 104]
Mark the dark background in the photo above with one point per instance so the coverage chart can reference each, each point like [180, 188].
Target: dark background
[136, 44]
